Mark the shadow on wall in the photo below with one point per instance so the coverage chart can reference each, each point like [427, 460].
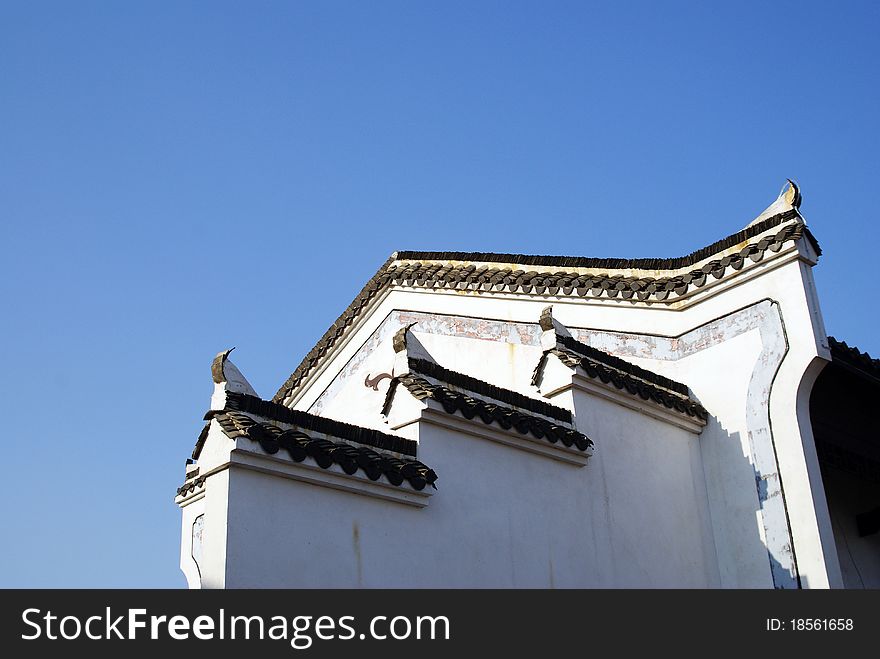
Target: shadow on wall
[843, 414]
[736, 491]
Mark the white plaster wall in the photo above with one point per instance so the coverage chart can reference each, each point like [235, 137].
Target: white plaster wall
[213, 566]
[212, 502]
[508, 365]
[191, 570]
[789, 409]
[634, 516]
[649, 486]
[354, 402]
[727, 462]
[769, 278]
[719, 375]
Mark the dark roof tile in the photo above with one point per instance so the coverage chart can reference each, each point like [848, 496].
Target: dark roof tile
[610, 263]
[623, 375]
[514, 398]
[277, 412]
[299, 446]
[191, 486]
[488, 412]
[619, 364]
[423, 269]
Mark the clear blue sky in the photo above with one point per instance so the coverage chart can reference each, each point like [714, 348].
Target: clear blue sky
[177, 178]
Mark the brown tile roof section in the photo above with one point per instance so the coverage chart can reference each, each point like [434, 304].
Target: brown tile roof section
[433, 270]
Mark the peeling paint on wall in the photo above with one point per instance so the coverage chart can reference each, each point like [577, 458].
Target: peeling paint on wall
[765, 317]
[457, 326]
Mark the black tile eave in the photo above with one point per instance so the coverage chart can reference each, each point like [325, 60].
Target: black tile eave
[325, 452]
[425, 271]
[471, 407]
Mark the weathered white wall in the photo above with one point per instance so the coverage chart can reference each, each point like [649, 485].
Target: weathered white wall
[722, 374]
[647, 482]
[508, 365]
[737, 506]
[753, 392]
[636, 515]
[188, 565]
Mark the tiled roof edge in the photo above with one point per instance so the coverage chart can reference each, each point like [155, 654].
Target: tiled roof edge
[376, 283]
[626, 382]
[657, 288]
[506, 417]
[325, 452]
[622, 365]
[612, 286]
[673, 263]
[277, 412]
[813, 241]
[200, 442]
[191, 486]
[455, 379]
[855, 358]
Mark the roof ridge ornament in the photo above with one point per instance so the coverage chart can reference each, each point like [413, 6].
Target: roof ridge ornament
[227, 377]
[406, 344]
[789, 199]
[551, 329]
[792, 194]
[399, 340]
[217, 365]
[546, 320]
[585, 277]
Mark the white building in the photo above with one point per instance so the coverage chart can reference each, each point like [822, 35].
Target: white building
[499, 420]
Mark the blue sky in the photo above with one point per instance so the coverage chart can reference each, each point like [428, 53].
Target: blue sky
[178, 177]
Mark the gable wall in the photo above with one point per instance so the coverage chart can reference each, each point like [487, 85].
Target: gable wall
[501, 517]
[748, 483]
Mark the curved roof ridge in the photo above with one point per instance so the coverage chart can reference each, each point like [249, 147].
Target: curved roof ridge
[673, 263]
[642, 289]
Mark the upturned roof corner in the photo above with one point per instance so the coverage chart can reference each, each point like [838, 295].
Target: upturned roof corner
[648, 281]
[227, 377]
[789, 199]
[217, 373]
